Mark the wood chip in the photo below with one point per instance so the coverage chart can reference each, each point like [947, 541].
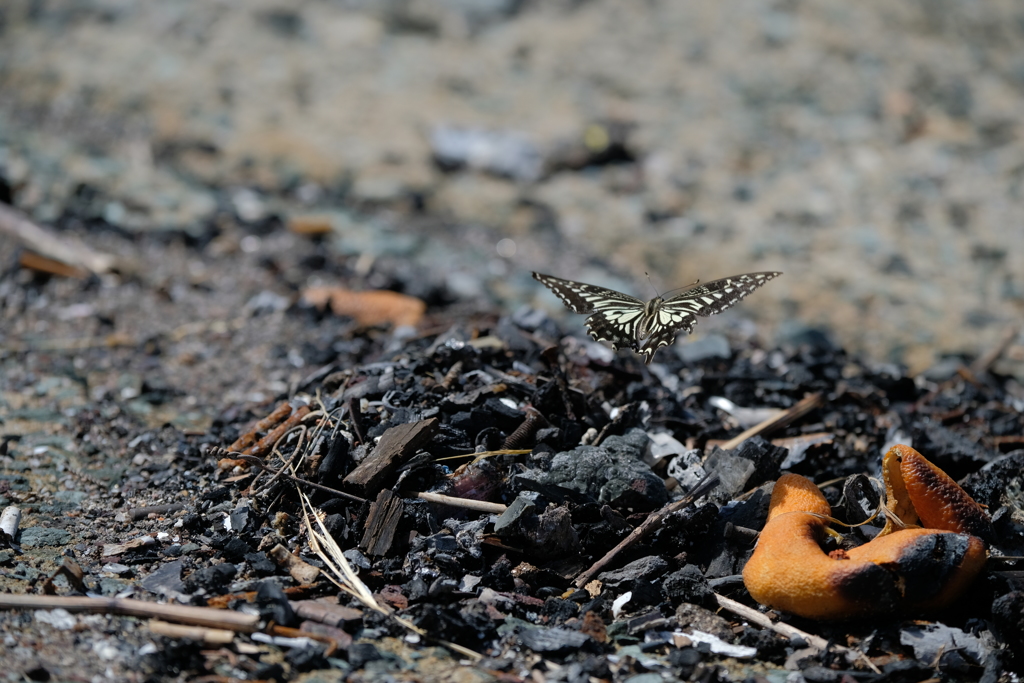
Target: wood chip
[385, 513]
[395, 447]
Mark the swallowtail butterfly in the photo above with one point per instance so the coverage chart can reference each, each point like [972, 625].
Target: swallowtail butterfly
[626, 321]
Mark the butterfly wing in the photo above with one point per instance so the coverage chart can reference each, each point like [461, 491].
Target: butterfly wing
[717, 295]
[614, 315]
[678, 312]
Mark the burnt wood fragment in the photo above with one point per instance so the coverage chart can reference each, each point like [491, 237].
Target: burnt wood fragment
[395, 447]
[385, 513]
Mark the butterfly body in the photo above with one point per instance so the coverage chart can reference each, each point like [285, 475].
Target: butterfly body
[628, 322]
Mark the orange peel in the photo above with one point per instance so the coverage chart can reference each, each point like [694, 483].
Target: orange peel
[910, 570]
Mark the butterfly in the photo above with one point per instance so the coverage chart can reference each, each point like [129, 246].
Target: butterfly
[628, 322]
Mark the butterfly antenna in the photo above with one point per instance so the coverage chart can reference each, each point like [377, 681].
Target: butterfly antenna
[651, 284]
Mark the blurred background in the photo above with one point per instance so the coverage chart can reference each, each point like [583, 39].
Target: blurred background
[873, 151]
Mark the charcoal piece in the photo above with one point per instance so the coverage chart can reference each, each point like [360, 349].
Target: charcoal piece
[192, 521]
[700, 619]
[613, 472]
[645, 622]
[471, 421]
[417, 588]
[644, 592]
[1008, 617]
[166, 580]
[684, 660]
[819, 674]
[337, 526]
[235, 550]
[379, 532]
[357, 559]
[395, 447]
[505, 417]
[954, 453]
[907, 671]
[510, 522]
[442, 542]
[950, 647]
[470, 624]
[688, 585]
[860, 499]
[542, 576]
[273, 604]
[551, 436]
[400, 416]
[499, 576]
[646, 569]
[218, 494]
[550, 492]
[555, 641]
[770, 645]
[210, 579]
[359, 654]
[552, 402]
[307, 658]
[447, 440]
[555, 535]
[752, 464]
[174, 657]
[491, 439]
[238, 519]
[337, 461]
[999, 482]
[260, 564]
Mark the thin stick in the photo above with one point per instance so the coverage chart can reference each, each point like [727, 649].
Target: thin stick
[806, 405]
[287, 463]
[202, 634]
[466, 503]
[199, 616]
[253, 460]
[44, 242]
[650, 525]
[762, 620]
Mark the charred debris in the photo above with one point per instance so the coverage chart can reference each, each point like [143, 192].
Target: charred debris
[538, 508]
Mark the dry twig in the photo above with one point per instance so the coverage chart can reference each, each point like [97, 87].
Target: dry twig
[650, 525]
[806, 405]
[199, 616]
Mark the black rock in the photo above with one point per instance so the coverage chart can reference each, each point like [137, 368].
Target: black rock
[645, 569]
[688, 585]
[273, 604]
[753, 463]
[613, 473]
[556, 640]
[211, 579]
[361, 653]
[307, 658]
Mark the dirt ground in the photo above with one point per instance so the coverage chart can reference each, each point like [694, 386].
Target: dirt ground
[872, 151]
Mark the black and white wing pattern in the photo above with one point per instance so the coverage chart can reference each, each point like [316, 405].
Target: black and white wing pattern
[614, 316]
[627, 322]
[668, 316]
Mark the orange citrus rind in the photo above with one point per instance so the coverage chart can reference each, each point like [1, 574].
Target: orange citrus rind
[909, 570]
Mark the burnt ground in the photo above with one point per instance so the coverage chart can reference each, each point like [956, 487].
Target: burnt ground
[869, 152]
[120, 391]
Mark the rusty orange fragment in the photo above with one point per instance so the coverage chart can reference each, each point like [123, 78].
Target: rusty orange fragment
[377, 307]
[909, 570]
